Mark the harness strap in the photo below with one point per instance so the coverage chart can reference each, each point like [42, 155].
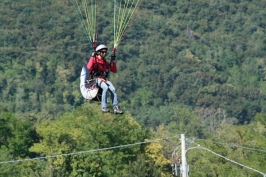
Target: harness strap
[103, 81]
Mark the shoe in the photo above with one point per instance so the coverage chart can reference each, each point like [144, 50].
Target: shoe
[105, 109]
[117, 110]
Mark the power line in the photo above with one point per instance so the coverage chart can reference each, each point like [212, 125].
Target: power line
[82, 152]
[198, 147]
[232, 145]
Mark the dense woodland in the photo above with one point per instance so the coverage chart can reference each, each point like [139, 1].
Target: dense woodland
[193, 67]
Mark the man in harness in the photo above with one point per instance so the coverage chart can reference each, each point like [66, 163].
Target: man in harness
[99, 68]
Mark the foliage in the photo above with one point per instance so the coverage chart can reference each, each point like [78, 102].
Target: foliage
[86, 143]
[195, 67]
[214, 52]
[16, 136]
[241, 144]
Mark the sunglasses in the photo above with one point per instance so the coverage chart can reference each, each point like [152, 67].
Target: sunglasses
[103, 52]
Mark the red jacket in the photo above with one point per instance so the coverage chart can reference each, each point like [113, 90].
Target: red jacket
[96, 63]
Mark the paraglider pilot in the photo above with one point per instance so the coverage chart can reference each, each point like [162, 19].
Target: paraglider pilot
[99, 68]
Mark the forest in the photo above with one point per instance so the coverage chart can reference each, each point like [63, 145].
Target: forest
[193, 67]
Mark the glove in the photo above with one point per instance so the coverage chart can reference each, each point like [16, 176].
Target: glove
[113, 57]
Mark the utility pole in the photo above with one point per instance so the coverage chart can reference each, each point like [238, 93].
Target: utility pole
[183, 154]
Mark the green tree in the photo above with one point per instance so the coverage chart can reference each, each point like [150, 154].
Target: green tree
[16, 137]
[87, 129]
[242, 144]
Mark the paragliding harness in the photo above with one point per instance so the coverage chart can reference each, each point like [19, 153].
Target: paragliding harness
[89, 86]
[91, 79]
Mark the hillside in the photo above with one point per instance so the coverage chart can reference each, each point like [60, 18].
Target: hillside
[203, 54]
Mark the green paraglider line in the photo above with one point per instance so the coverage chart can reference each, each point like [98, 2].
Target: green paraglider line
[80, 18]
[125, 15]
[87, 15]
[89, 23]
